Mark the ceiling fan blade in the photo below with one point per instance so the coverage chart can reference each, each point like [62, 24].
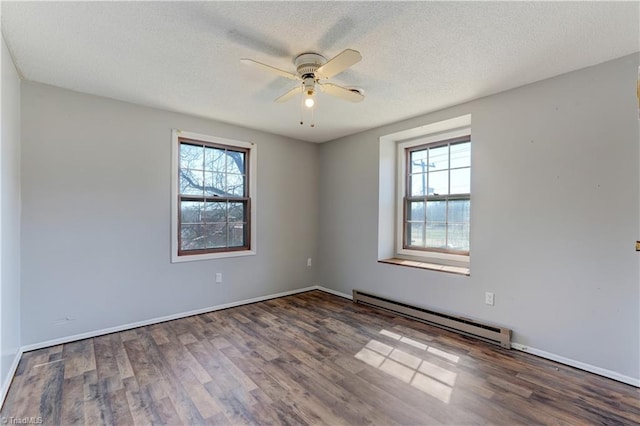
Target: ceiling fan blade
[290, 94]
[339, 63]
[342, 92]
[269, 68]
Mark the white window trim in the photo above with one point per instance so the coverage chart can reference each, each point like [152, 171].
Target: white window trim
[391, 190]
[175, 161]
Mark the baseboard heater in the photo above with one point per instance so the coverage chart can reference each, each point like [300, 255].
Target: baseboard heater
[487, 332]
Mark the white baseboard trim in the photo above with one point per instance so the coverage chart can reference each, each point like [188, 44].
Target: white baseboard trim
[577, 364]
[10, 375]
[334, 292]
[95, 333]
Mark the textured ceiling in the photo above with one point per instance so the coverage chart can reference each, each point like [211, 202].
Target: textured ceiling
[417, 56]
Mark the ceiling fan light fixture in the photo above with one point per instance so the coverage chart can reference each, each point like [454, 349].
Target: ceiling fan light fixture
[309, 102]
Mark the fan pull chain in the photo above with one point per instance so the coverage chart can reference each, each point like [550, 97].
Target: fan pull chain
[302, 104]
[313, 120]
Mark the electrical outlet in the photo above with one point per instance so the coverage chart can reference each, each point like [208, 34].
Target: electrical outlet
[488, 298]
[218, 278]
[309, 261]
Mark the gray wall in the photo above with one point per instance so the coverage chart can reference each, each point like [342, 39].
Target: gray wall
[9, 216]
[96, 185]
[555, 213]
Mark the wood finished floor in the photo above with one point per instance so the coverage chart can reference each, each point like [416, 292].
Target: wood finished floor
[311, 358]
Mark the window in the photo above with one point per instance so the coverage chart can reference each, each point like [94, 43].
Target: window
[424, 196]
[213, 197]
[437, 196]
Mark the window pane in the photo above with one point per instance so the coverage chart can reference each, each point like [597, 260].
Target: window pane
[191, 156]
[436, 211]
[432, 219]
[191, 182]
[237, 234]
[458, 211]
[237, 212]
[458, 236]
[216, 235]
[213, 196]
[461, 181]
[439, 158]
[436, 234]
[461, 155]
[235, 185]
[215, 184]
[215, 212]
[439, 183]
[416, 211]
[190, 212]
[235, 162]
[192, 237]
[418, 184]
[415, 234]
[419, 161]
[214, 160]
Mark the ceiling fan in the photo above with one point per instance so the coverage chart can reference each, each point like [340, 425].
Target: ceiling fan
[311, 70]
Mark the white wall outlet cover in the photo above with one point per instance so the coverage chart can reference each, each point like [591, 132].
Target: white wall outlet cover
[488, 298]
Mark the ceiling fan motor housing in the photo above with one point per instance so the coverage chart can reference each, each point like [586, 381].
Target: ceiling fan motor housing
[308, 63]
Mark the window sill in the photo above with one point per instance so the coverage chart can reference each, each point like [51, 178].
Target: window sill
[425, 265]
[208, 256]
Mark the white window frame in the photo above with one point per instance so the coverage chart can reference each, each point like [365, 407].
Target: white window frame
[433, 256]
[175, 163]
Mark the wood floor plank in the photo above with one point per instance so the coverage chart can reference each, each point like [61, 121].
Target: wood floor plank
[78, 357]
[141, 411]
[94, 412]
[50, 399]
[120, 407]
[267, 385]
[122, 359]
[106, 352]
[143, 368]
[235, 410]
[175, 356]
[311, 358]
[213, 362]
[180, 399]
[326, 381]
[166, 411]
[32, 382]
[391, 405]
[72, 411]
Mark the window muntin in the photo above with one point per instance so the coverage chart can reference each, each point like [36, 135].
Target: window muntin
[213, 198]
[437, 199]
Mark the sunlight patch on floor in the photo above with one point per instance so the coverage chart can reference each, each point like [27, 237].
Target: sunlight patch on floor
[372, 358]
[443, 354]
[418, 372]
[433, 387]
[409, 360]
